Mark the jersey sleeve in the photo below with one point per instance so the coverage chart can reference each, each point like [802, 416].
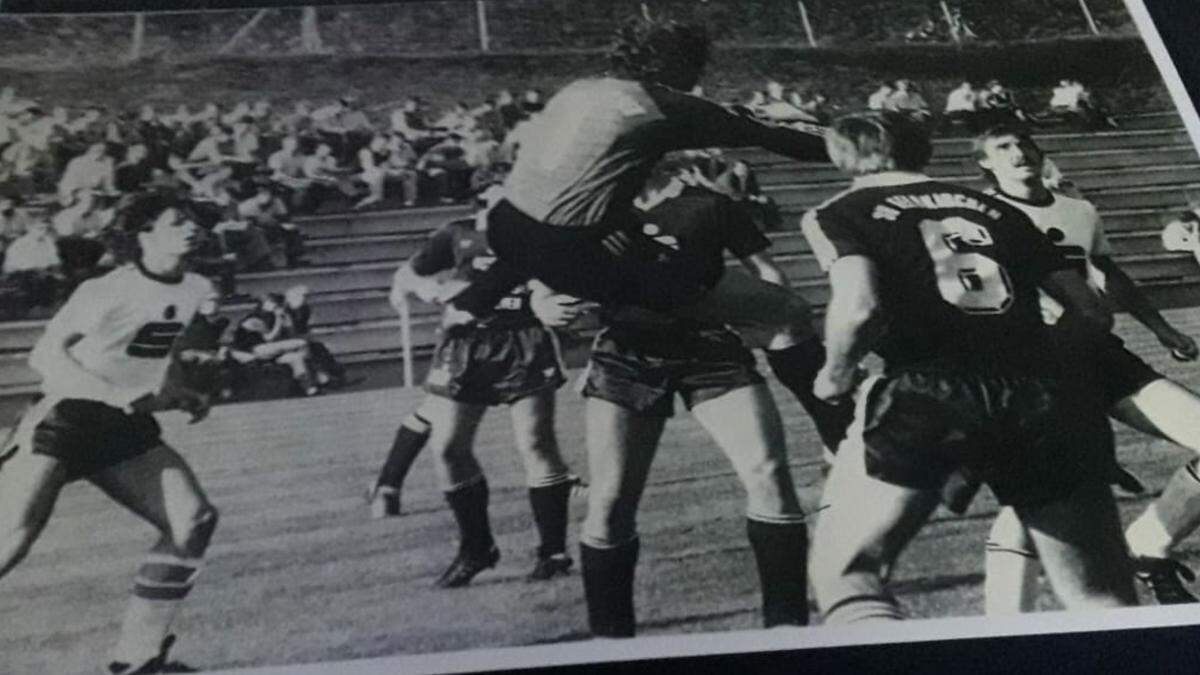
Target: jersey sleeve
[1100, 245]
[833, 235]
[436, 255]
[1031, 249]
[700, 123]
[83, 312]
[742, 238]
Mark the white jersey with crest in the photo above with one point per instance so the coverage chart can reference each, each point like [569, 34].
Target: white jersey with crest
[129, 320]
[1075, 226]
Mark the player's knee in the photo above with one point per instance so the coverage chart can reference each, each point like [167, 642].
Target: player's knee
[194, 537]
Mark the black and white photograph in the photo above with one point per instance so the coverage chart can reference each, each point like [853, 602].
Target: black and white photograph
[453, 335]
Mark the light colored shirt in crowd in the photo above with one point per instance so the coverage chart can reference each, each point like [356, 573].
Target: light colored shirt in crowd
[86, 173]
[31, 251]
[962, 99]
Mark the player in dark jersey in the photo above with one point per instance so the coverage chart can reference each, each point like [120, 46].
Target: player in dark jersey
[508, 359]
[104, 359]
[1136, 394]
[585, 158]
[942, 282]
[639, 363]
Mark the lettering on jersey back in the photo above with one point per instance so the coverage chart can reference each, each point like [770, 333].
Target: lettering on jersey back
[154, 340]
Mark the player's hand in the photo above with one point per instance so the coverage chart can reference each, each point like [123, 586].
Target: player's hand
[1182, 347]
[836, 386]
[558, 310]
[190, 401]
[454, 316]
[618, 243]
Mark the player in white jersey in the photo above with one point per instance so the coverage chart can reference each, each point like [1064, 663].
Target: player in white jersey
[104, 359]
[1137, 395]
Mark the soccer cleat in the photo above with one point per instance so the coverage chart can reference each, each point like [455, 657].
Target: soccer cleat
[465, 567]
[384, 501]
[551, 566]
[1165, 578]
[156, 664]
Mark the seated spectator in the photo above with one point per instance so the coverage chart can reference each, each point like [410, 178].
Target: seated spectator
[779, 109]
[926, 31]
[93, 172]
[1072, 101]
[216, 149]
[907, 100]
[240, 239]
[287, 171]
[387, 159]
[299, 122]
[136, 172]
[459, 119]
[326, 178]
[81, 231]
[265, 211]
[202, 179]
[324, 366]
[998, 106]
[481, 149]
[409, 121]
[532, 103]
[879, 99]
[961, 106]
[1183, 233]
[740, 185]
[445, 166]
[757, 101]
[268, 335]
[344, 127]
[31, 265]
[204, 361]
[816, 106]
[510, 111]
[246, 146]
[260, 114]
[13, 219]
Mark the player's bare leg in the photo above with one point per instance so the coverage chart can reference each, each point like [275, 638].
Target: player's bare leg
[1011, 567]
[859, 535]
[451, 439]
[746, 424]
[1169, 411]
[161, 488]
[383, 494]
[621, 448]
[1081, 548]
[550, 481]
[29, 486]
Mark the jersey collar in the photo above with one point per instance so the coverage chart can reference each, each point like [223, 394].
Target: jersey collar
[890, 179]
[160, 278]
[1048, 201]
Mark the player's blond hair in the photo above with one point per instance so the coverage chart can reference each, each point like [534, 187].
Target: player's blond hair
[866, 143]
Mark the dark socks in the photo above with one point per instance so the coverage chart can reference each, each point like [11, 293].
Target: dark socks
[550, 507]
[796, 368]
[781, 551]
[470, 507]
[410, 438]
[608, 588]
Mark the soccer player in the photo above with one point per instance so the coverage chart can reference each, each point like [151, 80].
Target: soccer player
[942, 283]
[639, 363]
[507, 359]
[1134, 393]
[103, 360]
[589, 153]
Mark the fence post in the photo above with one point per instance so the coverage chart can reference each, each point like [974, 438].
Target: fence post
[485, 37]
[139, 36]
[1087, 14]
[951, 23]
[808, 29]
[242, 32]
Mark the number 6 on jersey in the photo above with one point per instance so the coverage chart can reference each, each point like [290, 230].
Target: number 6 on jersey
[970, 280]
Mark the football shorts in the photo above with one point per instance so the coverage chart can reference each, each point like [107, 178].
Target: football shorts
[494, 366]
[86, 436]
[1121, 372]
[1033, 440]
[643, 376]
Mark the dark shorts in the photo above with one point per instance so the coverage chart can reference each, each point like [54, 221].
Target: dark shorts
[1122, 373]
[1033, 440]
[493, 365]
[699, 367]
[86, 436]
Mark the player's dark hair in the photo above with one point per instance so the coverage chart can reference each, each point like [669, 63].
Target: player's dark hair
[136, 213]
[664, 52]
[865, 143]
[1021, 131]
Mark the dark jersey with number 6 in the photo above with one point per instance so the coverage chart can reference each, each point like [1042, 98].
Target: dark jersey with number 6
[958, 270]
[462, 250]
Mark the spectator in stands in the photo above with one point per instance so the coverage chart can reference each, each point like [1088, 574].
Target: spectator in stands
[1183, 233]
[344, 127]
[817, 107]
[31, 266]
[202, 178]
[409, 121]
[246, 147]
[510, 111]
[266, 212]
[299, 122]
[215, 149]
[445, 166]
[739, 183]
[879, 99]
[237, 235]
[80, 231]
[1072, 101]
[260, 116]
[387, 159]
[326, 178]
[532, 102]
[926, 31]
[287, 171]
[481, 149]
[14, 218]
[268, 335]
[458, 120]
[777, 108]
[907, 100]
[961, 106]
[136, 172]
[998, 106]
[92, 172]
[322, 363]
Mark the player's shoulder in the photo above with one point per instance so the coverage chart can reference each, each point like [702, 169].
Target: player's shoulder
[1077, 204]
[198, 283]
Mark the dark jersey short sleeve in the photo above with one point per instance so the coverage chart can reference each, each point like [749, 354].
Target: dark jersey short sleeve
[743, 238]
[437, 254]
[832, 235]
[1033, 248]
[699, 123]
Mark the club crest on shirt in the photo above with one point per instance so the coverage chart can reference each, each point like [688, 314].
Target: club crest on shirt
[169, 312]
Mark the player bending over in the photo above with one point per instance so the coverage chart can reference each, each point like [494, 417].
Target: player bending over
[639, 363]
[942, 282]
[508, 359]
[1134, 393]
[103, 360]
[585, 158]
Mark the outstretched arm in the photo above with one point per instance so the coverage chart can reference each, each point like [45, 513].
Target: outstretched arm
[1127, 296]
[853, 324]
